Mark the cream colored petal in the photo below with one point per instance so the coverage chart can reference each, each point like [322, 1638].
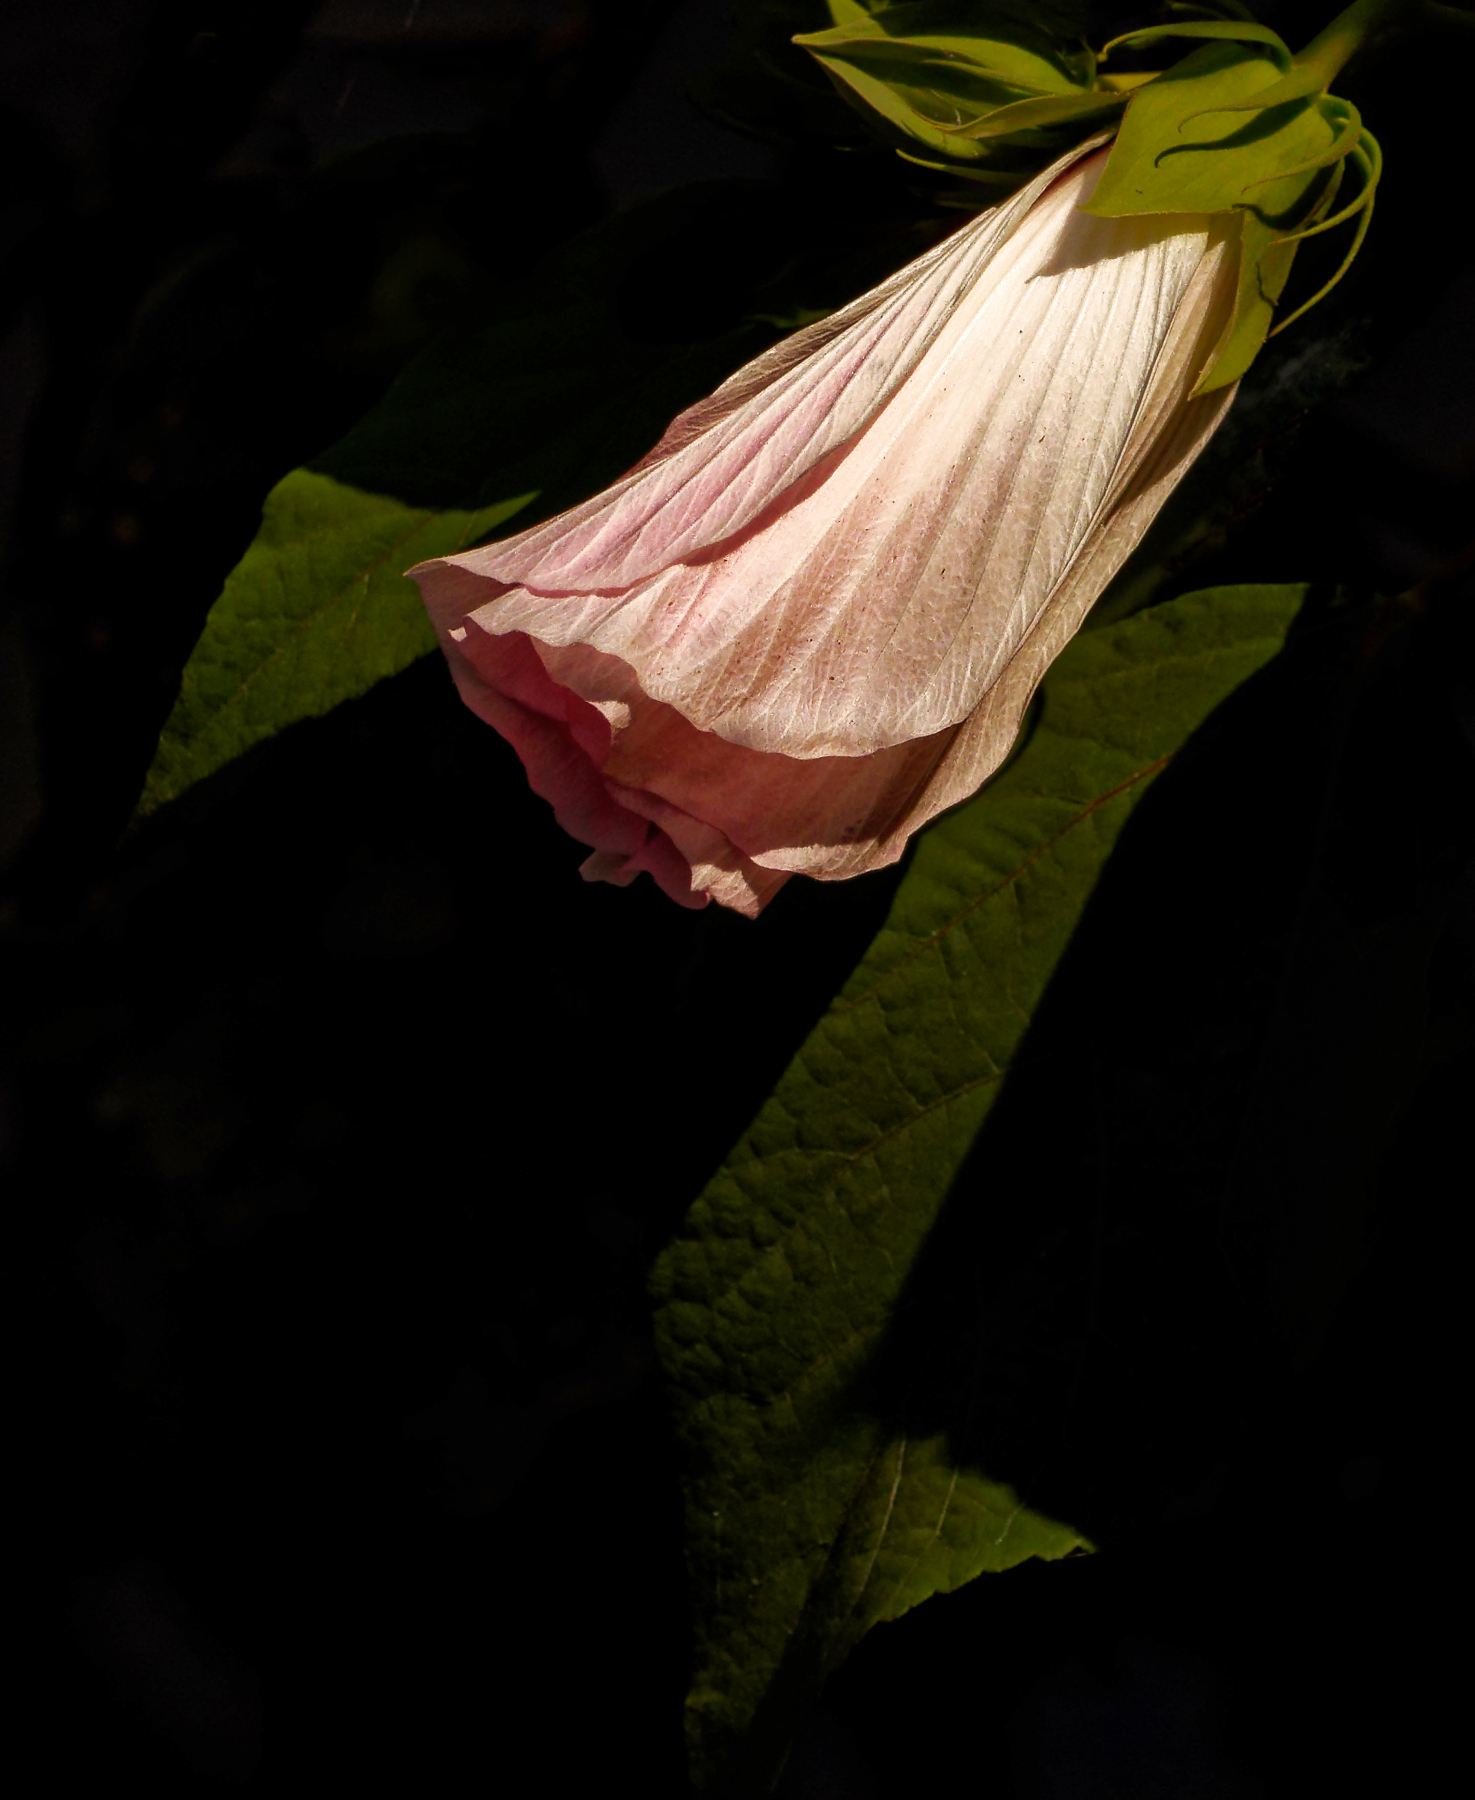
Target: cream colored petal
[816, 814]
[1168, 438]
[832, 817]
[723, 461]
[1170, 433]
[858, 656]
[882, 597]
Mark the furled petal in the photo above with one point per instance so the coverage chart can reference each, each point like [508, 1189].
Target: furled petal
[782, 812]
[880, 597]
[813, 617]
[722, 462]
[564, 743]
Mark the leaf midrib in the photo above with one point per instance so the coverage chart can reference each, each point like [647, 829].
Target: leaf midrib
[364, 576]
[933, 939]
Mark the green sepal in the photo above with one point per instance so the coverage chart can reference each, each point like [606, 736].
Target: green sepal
[960, 58]
[915, 112]
[1265, 258]
[1234, 30]
[1240, 125]
[1172, 155]
[1036, 44]
[1001, 180]
[1048, 109]
[957, 80]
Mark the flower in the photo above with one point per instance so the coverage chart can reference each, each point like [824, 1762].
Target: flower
[812, 617]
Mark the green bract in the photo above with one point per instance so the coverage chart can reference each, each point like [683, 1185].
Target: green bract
[1239, 125]
[1242, 126]
[984, 89]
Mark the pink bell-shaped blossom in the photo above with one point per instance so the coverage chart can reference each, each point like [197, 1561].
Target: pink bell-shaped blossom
[812, 617]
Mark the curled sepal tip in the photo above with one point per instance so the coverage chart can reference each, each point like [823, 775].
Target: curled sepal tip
[1367, 158]
[1185, 146]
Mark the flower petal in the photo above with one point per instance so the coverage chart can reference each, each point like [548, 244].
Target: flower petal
[564, 743]
[560, 739]
[882, 596]
[721, 463]
[1167, 436]
[816, 815]
[718, 869]
[876, 538]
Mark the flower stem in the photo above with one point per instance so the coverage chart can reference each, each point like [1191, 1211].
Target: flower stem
[1332, 46]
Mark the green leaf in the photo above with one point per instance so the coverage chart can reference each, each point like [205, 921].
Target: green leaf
[807, 1522]
[315, 612]
[562, 387]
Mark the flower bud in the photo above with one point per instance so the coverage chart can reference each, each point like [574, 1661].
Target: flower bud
[1240, 127]
[812, 617]
[989, 88]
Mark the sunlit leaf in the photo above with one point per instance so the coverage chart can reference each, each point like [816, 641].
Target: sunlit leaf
[568, 380]
[808, 1522]
[315, 613]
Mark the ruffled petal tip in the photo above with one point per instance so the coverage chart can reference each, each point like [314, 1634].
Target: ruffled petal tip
[563, 742]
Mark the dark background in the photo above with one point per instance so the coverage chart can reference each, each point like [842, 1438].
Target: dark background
[342, 1121]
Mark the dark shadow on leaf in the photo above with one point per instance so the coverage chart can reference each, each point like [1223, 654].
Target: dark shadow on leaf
[1259, 126]
[1152, 1235]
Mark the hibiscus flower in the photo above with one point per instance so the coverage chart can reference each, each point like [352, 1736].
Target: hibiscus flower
[813, 616]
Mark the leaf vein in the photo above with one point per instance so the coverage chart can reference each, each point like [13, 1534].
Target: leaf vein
[943, 931]
[309, 619]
